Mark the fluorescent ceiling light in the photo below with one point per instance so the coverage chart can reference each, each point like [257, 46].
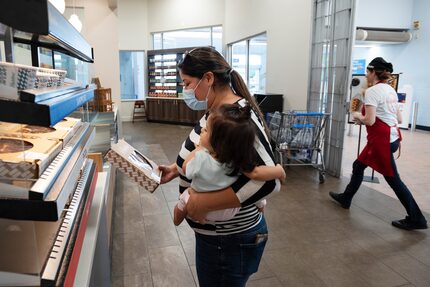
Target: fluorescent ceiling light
[76, 22]
[59, 4]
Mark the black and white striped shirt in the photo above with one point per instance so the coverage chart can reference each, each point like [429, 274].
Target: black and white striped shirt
[248, 191]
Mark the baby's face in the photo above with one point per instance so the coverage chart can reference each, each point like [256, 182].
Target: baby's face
[205, 135]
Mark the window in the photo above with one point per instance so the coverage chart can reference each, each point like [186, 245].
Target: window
[131, 65]
[248, 57]
[239, 58]
[205, 36]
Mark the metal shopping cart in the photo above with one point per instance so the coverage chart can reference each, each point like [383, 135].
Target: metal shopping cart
[299, 136]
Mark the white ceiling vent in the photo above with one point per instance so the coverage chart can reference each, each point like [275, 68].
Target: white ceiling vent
[382, 36]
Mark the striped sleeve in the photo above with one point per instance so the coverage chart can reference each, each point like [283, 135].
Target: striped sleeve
[187, 147]
[251, 191]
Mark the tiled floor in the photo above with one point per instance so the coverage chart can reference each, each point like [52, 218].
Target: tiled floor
[312, 241]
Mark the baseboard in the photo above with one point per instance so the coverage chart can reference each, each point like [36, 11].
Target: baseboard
[420, 127]
[126, 118]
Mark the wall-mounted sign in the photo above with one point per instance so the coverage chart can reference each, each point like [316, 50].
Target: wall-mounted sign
[359, 66]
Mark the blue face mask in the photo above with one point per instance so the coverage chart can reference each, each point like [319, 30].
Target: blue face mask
[190, 99]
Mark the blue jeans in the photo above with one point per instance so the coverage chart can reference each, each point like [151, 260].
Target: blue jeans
[400, 189]
[229, 260]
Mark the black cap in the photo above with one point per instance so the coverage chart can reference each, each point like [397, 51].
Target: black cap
[379, 64]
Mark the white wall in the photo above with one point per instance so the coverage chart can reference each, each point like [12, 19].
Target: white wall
[133, 25]
[133, 35]
[180, 14]
[384, 13]
[288, 26]
[100, 29]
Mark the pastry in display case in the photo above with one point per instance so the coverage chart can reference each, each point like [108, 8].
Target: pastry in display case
[62, 131]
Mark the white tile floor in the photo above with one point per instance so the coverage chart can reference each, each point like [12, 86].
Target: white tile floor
[413, 164]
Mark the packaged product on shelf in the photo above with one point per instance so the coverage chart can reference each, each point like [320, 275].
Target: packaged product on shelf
[135, 165]
[15, 78]
[26, 158]
[62, 131]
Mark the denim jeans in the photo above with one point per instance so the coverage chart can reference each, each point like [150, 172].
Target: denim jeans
[229, 260]
[400, 189]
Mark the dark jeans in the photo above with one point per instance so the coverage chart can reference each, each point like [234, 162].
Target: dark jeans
[401, 190]
[229, 260]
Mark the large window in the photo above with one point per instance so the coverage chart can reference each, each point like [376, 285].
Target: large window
[248, 57]
[131, 74]
[205, 36]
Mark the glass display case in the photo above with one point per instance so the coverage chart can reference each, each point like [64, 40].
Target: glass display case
[47, 183]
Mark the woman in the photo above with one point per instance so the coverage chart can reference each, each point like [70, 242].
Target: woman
[381, 114]
[227, 252]
[226, 149]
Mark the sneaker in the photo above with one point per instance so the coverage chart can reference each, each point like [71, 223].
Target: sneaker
[408, 225]
[340, 199]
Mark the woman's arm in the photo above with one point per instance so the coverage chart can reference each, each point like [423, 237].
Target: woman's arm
[399, 116]
[264, 173]
[200, 203]
[370, 117]
[190, 157]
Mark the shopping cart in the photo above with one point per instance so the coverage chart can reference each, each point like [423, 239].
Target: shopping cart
[299, 136]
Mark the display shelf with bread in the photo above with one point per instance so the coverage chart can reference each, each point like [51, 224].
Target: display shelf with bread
[44, 197]
[47, 213]
[62, 131]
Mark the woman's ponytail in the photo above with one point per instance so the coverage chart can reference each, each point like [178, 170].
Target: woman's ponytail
[239, 87]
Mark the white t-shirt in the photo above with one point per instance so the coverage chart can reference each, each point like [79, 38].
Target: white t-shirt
[207, 173]
[384, 98]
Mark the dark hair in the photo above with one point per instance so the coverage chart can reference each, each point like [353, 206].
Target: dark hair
[199, 61]
[233, 136]
[381, 75]
[382, 68]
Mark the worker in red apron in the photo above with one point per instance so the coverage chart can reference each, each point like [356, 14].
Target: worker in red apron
[381, 114]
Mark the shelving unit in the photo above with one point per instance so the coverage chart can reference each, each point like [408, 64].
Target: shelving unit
[45, 220]
[163, 77]
[164, 102]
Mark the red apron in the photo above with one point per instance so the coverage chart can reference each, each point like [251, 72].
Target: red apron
[377, 153]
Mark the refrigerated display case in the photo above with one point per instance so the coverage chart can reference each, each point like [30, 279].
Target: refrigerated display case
[51, 195]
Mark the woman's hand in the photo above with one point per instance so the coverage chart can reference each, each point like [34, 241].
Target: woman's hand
[168, 172]
[357, 116]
